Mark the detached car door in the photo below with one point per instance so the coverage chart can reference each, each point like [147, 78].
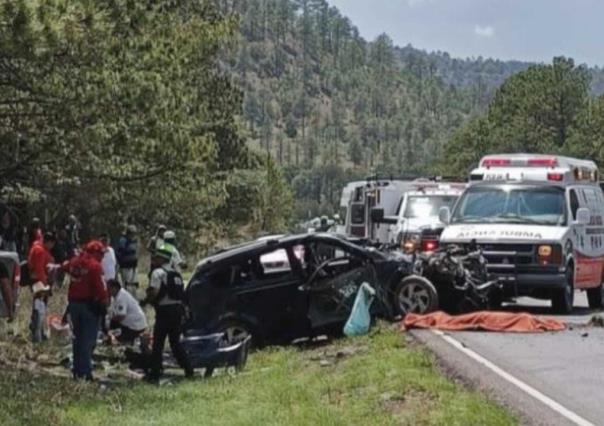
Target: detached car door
[337, 274]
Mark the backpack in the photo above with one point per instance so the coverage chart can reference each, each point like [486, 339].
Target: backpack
[174, 287]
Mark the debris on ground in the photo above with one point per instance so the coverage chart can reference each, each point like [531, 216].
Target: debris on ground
[596, 321]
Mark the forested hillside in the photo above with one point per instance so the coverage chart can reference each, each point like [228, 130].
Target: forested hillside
[330, 106]
[547, 109]
[483, 75]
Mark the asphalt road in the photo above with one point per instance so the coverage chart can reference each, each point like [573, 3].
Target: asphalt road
[565, 367]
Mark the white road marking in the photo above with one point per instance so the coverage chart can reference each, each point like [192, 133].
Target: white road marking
[570, 415]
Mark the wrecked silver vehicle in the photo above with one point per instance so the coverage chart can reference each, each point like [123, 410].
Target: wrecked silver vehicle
[284, 288]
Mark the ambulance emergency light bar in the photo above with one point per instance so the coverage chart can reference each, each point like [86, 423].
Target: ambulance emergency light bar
[557, 168]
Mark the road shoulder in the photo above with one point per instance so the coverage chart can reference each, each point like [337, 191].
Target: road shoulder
[462, 368]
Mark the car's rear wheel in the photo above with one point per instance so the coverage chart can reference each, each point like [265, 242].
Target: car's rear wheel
[563, 299]
[415, 295]
[594, 297]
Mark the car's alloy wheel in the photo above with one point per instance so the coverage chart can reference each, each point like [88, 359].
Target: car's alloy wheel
[234, 333]
[416, 295]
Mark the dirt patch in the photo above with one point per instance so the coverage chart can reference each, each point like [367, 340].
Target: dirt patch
[331, 356]
[411, 402]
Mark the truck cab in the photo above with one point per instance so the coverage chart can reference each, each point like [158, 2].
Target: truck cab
[417, 221]
[540, 222]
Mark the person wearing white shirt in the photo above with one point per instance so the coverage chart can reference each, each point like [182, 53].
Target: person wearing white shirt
[109, 262]
[125, 313]
[177, 263]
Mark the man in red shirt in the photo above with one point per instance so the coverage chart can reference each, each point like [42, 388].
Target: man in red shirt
[88, 301]
[39, 258]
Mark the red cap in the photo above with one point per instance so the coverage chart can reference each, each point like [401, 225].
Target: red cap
[95, 247]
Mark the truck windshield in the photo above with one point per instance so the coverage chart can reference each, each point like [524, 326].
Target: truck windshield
[419, 206]
[512, 204]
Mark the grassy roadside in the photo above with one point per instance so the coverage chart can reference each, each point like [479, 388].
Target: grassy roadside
[377, 379]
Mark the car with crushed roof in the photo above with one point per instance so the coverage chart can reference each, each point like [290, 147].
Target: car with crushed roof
[289, 287]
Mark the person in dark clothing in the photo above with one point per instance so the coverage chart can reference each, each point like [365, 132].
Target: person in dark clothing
[63, 250]
[127, 259]
[157, 240]
[34, 233]
[8, 231]
[169, 314]
[6, 292]
[73, 231]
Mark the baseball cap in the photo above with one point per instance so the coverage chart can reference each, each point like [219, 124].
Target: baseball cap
[163, 253]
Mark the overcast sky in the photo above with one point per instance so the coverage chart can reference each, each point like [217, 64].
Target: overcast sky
[531, 30]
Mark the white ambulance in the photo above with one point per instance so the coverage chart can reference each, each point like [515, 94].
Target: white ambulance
[540, 222]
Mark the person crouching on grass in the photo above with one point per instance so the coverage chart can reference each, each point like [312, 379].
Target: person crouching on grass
[126, 314]
[38, 312]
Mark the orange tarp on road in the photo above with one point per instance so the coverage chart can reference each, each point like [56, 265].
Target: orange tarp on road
[510, 322]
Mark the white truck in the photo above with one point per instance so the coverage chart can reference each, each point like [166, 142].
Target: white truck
[540, 222]
[393, 211]
[361, 199]
[416, 225]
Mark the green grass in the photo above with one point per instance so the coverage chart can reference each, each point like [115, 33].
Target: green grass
[377, 379]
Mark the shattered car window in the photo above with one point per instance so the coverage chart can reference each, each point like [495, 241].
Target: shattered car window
[275, 262]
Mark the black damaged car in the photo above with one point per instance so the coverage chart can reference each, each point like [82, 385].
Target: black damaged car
[283, 288]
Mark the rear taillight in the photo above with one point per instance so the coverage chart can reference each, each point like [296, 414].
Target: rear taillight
[429, 245]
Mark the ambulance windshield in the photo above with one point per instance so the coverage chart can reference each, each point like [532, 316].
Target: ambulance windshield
[512, 204]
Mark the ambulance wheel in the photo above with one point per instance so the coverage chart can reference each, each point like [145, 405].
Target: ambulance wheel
[415, 295]
[594, 297]
[563, 299]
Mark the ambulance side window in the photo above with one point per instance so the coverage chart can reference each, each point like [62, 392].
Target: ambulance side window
[574, 203]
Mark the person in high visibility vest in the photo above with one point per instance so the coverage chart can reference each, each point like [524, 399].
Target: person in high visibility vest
[178, 262]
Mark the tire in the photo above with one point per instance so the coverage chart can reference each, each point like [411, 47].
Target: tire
[562, 301]
[236, 330]
[415, 295]
[594, 297]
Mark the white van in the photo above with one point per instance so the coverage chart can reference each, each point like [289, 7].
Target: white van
[540, 222]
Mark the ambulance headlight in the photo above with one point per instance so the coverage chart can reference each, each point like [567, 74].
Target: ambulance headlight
[549, 255]
[544, 251]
